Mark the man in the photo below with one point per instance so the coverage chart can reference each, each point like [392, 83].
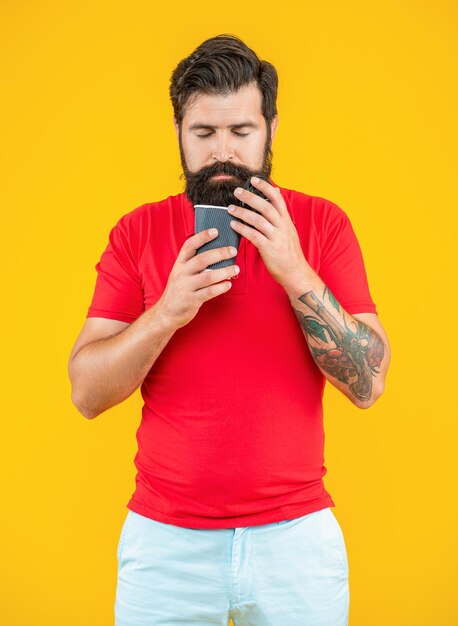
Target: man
[230, 517]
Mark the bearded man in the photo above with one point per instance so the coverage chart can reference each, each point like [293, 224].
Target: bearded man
[230, 518]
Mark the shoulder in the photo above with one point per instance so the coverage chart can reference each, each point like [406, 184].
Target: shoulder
[141, 215]
[322, 212]
[307, 201]
[136, 227]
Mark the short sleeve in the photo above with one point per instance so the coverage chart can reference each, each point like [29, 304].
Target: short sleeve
[342, 265]
[118, 292]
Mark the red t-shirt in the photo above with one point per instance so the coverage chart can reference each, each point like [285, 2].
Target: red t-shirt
[232, 425]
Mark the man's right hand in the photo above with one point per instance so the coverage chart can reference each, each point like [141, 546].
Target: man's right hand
[188, 286]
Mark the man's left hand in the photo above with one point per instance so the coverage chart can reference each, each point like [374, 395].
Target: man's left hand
[273, 232]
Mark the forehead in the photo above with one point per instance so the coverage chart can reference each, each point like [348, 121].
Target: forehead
[221, 109]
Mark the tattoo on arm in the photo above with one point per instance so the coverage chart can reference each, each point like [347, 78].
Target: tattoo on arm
[352, 356]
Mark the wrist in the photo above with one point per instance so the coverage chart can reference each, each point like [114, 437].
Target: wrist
[163, 319]
[301, 281]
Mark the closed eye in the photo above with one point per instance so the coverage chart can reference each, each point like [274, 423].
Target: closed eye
[235, 133]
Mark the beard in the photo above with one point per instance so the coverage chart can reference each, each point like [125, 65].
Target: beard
[201, 189]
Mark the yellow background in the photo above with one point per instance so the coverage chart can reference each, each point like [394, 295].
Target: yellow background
[367, 109]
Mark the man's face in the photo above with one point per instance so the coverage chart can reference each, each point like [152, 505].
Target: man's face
[223, 135]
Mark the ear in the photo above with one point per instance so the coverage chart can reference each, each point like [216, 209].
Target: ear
[177, 131]
[273, 126]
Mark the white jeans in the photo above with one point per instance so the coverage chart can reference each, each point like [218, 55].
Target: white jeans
[291, 573]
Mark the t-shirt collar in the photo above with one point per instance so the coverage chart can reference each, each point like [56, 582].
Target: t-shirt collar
[188, 210]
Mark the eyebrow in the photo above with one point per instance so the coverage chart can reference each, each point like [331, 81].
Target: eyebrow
[197, 126]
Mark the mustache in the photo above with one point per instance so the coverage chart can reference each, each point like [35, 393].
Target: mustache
[226, 169]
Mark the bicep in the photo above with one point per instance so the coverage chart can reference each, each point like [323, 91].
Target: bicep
[342, 265]
[118, 292]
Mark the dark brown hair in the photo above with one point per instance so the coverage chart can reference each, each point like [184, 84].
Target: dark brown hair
[222, 65]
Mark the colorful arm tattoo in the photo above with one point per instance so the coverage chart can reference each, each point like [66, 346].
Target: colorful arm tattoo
[351, 356]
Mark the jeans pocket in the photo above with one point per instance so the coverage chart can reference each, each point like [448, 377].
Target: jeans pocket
[338, 537]
[122, 537]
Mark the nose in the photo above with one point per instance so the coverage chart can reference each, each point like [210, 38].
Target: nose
[222, 150]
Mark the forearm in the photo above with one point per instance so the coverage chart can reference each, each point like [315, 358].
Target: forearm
[349, 353]
[107, 371]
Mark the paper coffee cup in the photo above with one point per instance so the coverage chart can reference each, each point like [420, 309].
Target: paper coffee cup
[208, 216]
